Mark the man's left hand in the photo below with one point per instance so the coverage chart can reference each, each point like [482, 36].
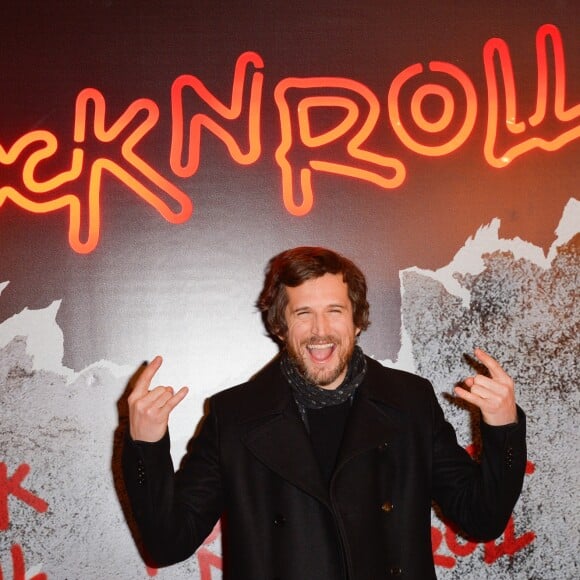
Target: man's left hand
[494, 395]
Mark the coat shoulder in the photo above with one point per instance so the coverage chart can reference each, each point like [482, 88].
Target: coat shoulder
[401, 388]
[266, 392]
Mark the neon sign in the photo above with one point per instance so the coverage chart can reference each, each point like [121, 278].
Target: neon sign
[304, 150]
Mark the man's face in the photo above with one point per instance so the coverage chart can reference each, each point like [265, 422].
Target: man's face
[321, 333]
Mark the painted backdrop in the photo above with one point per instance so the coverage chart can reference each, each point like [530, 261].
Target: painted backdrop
[154, 156]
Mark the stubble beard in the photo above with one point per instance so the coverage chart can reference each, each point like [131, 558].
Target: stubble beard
[321, 377]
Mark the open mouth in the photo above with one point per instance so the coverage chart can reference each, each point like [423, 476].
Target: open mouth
[320, 353]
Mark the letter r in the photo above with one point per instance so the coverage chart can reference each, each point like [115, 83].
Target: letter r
[298, 101]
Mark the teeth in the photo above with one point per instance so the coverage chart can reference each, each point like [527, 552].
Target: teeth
[320, 346]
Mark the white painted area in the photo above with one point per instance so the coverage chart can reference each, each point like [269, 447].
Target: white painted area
[568, 227]
[45, 341]
[405, 359]
[469, 259]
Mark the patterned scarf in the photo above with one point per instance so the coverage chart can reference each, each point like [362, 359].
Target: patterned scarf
[310, 396]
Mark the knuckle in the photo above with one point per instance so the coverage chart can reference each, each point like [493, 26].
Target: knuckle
[141, 406]
[149, 412]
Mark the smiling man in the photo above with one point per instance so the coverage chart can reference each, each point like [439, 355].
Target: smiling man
[320, 335]
[325, 464]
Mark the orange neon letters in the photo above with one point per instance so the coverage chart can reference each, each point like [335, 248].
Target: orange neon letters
[309, 143]
[513, 126]
[58, 191]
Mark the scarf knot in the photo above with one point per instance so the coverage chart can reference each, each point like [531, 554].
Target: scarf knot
[310, 396]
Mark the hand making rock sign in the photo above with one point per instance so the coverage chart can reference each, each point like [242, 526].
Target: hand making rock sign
[149, 410]
[494, 395]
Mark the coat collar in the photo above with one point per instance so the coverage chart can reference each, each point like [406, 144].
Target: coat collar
[274, 432]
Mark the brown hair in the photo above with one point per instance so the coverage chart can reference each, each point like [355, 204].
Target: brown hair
[292, 268]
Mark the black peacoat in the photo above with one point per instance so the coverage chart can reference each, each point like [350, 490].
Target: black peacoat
[252, 464]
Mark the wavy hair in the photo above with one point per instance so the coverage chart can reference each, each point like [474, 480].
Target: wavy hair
[297, 265]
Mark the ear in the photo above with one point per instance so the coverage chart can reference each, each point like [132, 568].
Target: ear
[357, 331]
[280, 335]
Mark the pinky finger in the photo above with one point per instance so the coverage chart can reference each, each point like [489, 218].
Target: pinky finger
[177, 398]
[467, 396]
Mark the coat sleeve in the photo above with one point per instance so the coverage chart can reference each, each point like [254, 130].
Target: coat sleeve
[478, 497]
[174, 512]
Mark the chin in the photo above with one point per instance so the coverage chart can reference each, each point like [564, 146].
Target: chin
[322, 377]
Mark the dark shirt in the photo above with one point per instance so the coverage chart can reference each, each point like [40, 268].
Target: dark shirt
[326, 428]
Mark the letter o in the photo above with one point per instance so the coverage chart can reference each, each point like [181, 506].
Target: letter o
[449, 109]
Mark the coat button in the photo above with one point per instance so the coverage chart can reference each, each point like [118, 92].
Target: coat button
[387, 507]
[279, 520]
[509, 456]
[140, 472]
[395, 571]
[383, 446]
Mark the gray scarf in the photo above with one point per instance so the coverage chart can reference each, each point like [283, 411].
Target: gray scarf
[310, 396]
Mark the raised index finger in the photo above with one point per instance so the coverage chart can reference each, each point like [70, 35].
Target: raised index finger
[494, 368]
[142, 383]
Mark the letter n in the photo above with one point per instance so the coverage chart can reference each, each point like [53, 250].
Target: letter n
[244, 109]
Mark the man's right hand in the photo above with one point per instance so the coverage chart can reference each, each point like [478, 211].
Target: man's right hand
[149, 409]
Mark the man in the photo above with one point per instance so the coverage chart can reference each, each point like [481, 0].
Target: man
[325, 464]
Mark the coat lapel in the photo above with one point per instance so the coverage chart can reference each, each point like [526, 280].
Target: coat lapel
[275, 434]
[375, 419]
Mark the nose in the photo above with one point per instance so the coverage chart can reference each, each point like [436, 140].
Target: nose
[320, 325]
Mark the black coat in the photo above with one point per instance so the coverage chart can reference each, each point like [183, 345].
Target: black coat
[252, 463]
